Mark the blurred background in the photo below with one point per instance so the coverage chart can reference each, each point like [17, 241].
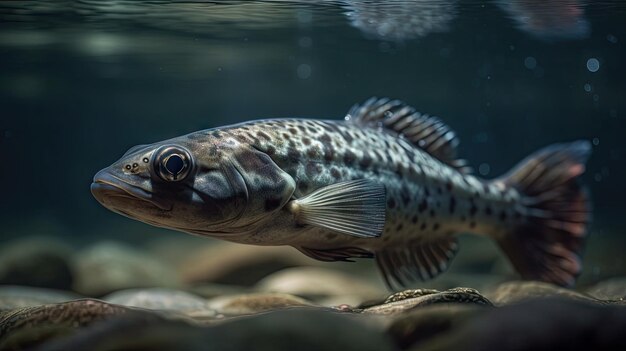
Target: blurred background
[83, 81]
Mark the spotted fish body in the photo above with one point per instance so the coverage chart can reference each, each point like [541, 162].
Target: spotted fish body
[425, 199]
[383, 182]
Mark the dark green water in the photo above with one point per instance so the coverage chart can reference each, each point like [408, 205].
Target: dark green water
[82, 81]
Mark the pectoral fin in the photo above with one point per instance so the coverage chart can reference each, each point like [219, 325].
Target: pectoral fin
[355, 207]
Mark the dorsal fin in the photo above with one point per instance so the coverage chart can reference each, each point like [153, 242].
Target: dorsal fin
[423, 131]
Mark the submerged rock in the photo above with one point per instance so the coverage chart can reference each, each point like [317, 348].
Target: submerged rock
[131, 333]
[325, 286]
[39, 262]
[12, 297]
[255, 303]
[516, 291]
[173, 250]
[421, 324]
[163, 300]
[109, 266]
[611, 289]
[209, 290]
[30, 326]
[297, 329]
[236, 264]
[410, 299]
[541, 324]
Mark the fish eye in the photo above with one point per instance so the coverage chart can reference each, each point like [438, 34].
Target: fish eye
[172, 163]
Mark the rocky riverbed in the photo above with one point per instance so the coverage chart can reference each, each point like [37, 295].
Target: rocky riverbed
[167, 295]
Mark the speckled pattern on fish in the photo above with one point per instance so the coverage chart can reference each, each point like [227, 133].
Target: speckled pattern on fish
[383, 182]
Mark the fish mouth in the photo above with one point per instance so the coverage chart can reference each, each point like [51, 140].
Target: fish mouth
[106, 186]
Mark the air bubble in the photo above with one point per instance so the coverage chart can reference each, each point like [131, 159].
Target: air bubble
[611, 38]
[593, 65]
[530, 62]
[303, 71]
[484, 169]
[305, 42]
[304, 16]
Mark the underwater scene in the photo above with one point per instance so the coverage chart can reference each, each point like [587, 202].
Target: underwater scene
[311, 175]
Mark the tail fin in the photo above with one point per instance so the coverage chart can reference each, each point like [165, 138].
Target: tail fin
[548, 244]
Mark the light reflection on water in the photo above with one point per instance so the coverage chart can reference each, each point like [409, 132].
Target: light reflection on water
[395, 20]
[401, 20]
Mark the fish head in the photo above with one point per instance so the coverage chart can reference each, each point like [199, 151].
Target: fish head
[213, 188]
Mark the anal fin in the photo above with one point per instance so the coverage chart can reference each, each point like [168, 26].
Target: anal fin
[404, 265]
[355, 207]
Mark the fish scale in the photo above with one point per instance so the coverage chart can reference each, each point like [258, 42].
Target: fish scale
[383, 182]
[419, 187]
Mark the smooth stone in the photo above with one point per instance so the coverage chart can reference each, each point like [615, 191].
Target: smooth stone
[610, 289]
[296, 329]
[109, 266]
[130, 333]
[418, 325]
[516, 291]
[31, 326]
[457, 295]
[236, 264]
[163, 300]
[12, 297]
[40, 262]
[411, 299]
[555, 323]
[209, 290]
[254, 303]
[409, 294]
[175, 249]
[325, 286]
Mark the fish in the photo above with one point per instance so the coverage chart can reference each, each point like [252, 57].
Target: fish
[384, 182]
